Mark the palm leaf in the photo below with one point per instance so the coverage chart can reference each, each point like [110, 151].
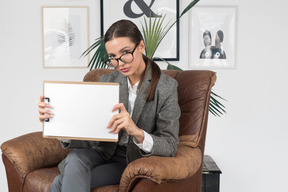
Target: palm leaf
[170, 66]
[97, 61]
[189, 6]
[153, 32]
[173, 67]
[215, 107]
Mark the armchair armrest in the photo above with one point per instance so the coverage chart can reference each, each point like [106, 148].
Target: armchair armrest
[185, 164]
[31, 151]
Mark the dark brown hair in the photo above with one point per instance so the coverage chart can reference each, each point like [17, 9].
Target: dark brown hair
[126, 28]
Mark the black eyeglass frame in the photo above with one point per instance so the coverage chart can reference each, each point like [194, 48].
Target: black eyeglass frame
[119, 58]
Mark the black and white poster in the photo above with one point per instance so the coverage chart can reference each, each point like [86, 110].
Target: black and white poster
[212, 37]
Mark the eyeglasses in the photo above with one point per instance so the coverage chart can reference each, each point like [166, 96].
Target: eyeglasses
[125, 58]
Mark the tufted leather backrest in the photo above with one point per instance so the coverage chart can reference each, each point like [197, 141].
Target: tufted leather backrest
[194, 88]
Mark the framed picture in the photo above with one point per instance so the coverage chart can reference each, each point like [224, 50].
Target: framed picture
[136, 11]
[65, 36]
[212, 37]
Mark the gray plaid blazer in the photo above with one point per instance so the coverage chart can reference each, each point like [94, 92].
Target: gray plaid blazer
[159, 118]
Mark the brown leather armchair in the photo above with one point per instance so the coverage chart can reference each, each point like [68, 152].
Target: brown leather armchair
[31, 161]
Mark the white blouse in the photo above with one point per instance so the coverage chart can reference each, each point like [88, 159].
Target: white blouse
[147, 144]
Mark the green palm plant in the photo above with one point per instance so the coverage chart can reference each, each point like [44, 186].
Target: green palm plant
[153, 34]
[97, 60]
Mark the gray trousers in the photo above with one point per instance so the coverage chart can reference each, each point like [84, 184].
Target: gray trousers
[85, 169]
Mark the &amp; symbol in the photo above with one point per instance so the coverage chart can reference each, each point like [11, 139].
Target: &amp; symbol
[142, 5]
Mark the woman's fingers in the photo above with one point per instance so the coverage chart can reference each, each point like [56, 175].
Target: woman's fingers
[114, 118]
[119, 106]
[43, 117]
[44, 110]
[120, 120]
[115, 125]
[117, 128]
[42, 104]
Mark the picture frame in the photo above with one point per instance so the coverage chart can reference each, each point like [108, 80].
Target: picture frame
[136, 11]
[212, 37]
[65, 36]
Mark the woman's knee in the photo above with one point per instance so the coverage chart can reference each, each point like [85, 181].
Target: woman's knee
[80, 158]
[75, 158]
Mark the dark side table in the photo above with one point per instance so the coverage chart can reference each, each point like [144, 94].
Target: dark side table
[210, 175]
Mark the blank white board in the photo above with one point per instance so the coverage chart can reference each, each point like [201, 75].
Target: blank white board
[81, 110]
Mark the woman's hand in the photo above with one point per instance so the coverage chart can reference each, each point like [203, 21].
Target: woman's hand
[123, 121]
[44, 110]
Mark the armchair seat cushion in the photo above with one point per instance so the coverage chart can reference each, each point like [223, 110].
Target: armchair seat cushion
[110, 188]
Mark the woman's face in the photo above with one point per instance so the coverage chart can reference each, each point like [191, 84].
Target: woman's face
[217, 41]
[121, 45]
[207, 40]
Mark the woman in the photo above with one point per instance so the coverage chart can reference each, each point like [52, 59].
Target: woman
[206, 52]
[148, 122]
[218, 51]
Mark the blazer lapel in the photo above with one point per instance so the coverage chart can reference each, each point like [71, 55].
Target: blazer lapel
[141, 97]
[124, 95]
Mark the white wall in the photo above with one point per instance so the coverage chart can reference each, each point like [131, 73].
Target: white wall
[247, 143]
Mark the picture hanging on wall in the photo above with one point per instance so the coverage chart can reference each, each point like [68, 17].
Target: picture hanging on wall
[136, 11]
[212, 37]
[65, 37]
